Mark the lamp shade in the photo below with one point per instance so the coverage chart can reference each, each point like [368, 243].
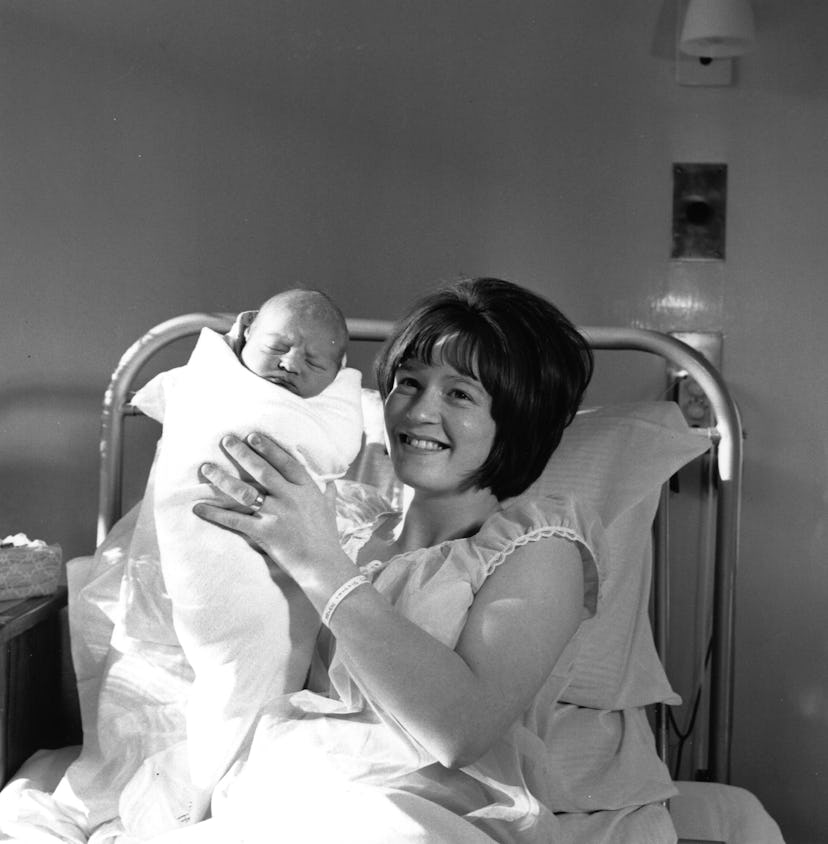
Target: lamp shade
[717, 29]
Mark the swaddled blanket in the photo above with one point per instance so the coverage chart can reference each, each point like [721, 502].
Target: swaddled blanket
[221, 592]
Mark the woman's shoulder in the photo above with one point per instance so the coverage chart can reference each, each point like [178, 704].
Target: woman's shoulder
[522, 520]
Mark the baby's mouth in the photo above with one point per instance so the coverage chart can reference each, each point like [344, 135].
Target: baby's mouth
[285, 384]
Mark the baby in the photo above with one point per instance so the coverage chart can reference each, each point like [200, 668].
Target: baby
[296, 340]
[279, 371]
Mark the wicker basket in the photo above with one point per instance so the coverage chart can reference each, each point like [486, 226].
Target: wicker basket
[29, 571]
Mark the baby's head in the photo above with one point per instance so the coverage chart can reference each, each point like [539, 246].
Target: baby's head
[296, 341]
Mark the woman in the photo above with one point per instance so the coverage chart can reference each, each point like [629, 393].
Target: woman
[447, 638]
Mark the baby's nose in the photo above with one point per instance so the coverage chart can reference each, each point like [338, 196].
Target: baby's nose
[290, 360]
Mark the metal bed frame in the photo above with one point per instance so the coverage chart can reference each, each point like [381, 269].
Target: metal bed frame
[726, 451]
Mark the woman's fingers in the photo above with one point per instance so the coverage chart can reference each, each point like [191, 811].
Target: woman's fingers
[231, 519]
[224, 482]
[292, 522]
[266, 467]
[265, 461]
[277, 457]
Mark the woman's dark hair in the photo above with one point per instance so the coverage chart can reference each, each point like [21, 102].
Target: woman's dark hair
[530, 358]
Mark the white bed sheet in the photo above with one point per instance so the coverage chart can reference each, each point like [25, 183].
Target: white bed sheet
[707, 811]
[701, 811]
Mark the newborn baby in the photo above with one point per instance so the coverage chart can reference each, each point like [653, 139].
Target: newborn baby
[279, 371]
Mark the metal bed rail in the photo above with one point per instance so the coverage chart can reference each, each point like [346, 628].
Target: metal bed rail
[726, 434]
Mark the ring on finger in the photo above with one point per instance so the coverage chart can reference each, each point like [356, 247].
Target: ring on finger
[257, 503]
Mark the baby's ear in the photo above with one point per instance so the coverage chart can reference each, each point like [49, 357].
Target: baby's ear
[238, 331]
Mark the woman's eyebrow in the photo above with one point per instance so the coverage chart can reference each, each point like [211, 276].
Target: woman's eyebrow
[469, 381]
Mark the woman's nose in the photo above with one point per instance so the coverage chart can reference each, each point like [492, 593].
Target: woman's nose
[424, 407]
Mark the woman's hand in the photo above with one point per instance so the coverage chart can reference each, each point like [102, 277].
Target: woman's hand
[296, 524]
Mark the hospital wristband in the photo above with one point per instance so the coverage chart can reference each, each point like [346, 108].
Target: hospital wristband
[339, 596]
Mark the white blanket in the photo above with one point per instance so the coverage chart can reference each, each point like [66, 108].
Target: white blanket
[245, 638]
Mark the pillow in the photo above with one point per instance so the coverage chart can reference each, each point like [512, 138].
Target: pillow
[615, 460]
[613, 457]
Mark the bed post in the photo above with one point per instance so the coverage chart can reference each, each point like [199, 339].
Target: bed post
[728, 434]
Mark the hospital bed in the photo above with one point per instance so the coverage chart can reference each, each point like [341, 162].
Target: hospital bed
[710, 810]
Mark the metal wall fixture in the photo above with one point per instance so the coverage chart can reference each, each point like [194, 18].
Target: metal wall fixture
[711, 34]
[699, 212]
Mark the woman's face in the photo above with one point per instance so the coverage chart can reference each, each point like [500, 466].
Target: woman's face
[439, 424]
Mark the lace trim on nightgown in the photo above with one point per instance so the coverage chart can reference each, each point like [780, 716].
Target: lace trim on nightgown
[520, 522]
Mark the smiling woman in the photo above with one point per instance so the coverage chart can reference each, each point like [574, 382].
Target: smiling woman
[440, 427]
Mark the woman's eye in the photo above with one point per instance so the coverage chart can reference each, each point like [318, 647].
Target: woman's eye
[462, 395]
[406, 383]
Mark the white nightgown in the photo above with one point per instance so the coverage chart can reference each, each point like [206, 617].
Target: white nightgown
[327, 759]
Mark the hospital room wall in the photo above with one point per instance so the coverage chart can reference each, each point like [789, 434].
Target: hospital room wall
[377, 151]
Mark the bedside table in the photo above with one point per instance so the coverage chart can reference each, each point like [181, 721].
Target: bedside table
[32, 713]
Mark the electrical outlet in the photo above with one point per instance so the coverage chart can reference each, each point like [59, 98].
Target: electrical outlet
[686, 392]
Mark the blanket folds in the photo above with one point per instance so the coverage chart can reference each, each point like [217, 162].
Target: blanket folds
[246, 638]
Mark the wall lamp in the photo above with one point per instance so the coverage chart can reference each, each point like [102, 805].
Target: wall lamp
[711, 34]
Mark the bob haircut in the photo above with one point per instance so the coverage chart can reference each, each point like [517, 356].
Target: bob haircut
[528, 356]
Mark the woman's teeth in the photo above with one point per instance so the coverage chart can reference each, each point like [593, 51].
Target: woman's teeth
[427, 445]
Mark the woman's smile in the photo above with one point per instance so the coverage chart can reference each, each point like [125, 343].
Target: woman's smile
[421, 444]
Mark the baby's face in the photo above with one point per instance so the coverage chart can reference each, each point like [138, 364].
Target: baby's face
[291, 350]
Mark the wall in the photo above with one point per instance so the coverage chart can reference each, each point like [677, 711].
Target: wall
[172, 164]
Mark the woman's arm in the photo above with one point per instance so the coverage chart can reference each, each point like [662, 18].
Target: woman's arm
[455, 703]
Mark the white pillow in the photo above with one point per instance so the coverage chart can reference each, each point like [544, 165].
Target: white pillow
[615, 459]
